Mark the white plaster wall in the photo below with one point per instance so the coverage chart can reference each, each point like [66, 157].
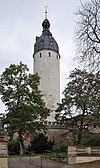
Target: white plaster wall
[48, 68]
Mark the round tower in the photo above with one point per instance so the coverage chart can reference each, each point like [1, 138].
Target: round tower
[47, 65]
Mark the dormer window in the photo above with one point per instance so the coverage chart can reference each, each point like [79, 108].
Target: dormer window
[41, 42]
[51, 42]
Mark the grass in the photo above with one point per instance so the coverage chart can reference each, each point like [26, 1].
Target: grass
[48, 155]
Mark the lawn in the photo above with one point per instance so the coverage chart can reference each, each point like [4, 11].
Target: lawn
[47, 155]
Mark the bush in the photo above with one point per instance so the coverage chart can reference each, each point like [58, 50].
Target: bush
[59, 150]
[13, 147]
[91, 140]
[40, 144]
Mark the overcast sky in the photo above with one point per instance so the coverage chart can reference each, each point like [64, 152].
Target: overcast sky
[20, 23]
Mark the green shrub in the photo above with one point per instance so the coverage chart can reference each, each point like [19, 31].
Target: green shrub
[91, 140]
[40, 144]
[13, 147]
[59, 151]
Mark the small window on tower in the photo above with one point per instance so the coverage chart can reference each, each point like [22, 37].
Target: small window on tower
[58, 56]
[40, 55]
[49, 54]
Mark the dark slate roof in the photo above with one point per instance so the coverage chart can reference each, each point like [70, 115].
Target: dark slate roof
[46, 41]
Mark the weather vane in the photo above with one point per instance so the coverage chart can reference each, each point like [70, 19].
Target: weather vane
[46, 7]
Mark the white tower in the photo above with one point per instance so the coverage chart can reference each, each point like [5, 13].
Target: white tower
[47, 65]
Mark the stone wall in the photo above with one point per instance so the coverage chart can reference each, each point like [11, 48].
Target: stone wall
[82, 154]
[58, 135]
[3, 149]
[94, 164]
[3, 162]
[3, 155]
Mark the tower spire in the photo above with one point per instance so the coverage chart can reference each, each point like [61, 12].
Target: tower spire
[46, 7]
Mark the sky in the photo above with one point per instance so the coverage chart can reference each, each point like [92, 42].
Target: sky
[20, 23]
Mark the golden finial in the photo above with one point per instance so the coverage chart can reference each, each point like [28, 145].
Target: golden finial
[46, 7]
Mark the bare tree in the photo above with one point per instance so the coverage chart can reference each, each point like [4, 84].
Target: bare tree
[88, 34]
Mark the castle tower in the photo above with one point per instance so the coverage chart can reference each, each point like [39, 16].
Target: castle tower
[47, 65]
